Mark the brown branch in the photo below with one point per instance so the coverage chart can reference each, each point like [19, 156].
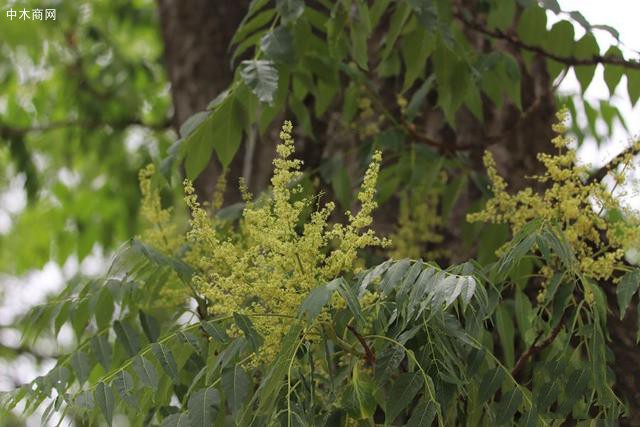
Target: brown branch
[369, 354]
[599, 174]
[566, 60]
[536, 348]
[410, 128]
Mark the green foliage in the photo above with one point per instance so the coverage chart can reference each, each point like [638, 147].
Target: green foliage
[410, 344]
[77, 94]
[403, 342]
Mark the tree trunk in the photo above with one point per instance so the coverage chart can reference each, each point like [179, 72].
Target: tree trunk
[196, 36]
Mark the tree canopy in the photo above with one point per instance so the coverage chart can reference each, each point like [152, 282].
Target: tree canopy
[380, 220]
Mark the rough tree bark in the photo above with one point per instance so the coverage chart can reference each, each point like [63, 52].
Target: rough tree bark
[196, 36]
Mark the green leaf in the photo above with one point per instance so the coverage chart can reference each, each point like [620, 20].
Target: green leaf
[613, 73]
[533, 23]
[423, 414]
[625, 290]
[235, 384]
[387, 363]
[106, 401]
[324, 96]
[203, 407]
[127, 336]
[252, 25]
[612, 31]
[146, 372]
[530, 419]
[580, 19]
[261, 77]
[228, 354]
[410, 278]
[102, 350]
[103, 308]
[165, 357]
[277, 45]
[633, 85]
[290, 10]
[84, 400]
[80, 317]
[150, 326]
[560, 41]
[393, 276]
[501, 14]
[585, 48]
[397, 24]
[358, 397]
[341, 186]
[254, 339]
[215, 331]
[417, 46]
[506, 333]
[513, 84]
[360, 29]
[221, 131]
[418, 97]
[491, 382]
[427, 15]
[316, 300]
[81, 366]
[599, 363]
[350, 297]
[193, 122]
[524, 314]
[552, 5]
[59, 378]
[547, 394]
[517, 249]
[468, 290]
[402, 392]
[189, 338]
[272, 382]
[575, 386]
[508, 406]
[123, 383]
[177, 420]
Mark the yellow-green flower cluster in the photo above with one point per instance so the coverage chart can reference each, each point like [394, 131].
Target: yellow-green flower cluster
[368, 122]
[160, 229]
[268, 266]
[568, 202]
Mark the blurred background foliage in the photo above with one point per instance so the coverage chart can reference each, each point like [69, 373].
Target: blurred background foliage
[84, 104]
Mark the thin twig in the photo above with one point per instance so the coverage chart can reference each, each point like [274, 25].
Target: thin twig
[536, 348]
[566, 60]
[599, 174]
[369, 354]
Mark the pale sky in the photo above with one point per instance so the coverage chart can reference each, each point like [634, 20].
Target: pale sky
[623, 16]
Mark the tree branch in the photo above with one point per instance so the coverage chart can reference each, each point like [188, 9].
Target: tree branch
[566, 60]
[536, 348]
[369, 354]
[599, 174]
